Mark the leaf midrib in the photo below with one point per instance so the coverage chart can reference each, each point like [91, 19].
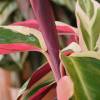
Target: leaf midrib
[86, 92]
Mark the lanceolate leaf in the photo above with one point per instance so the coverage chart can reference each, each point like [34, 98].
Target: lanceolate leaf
[40, 91]
[19, 38]
[9, 36]
[62, 28]
[88, 21]
[85, 35]
[39, 84]
[87, 6]
[95, 23]
[17, 47]
[85, 73]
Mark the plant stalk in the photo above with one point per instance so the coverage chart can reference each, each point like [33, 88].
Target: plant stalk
[45, 18]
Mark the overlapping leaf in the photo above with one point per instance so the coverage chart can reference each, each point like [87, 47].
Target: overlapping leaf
[38, 87]
[84, 69]
[18, 38]
[88, 14]
[62, 28]
[26, 36]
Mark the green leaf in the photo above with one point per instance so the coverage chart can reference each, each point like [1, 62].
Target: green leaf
[87, 7]
[85, 35]
[21, 34]
[37, 88]
[19, 39]
[88, 14]
[84, 70]
[95, 24]
[47, 80]
[8, 36]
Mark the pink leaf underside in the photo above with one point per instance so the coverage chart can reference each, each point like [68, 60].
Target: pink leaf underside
[62, 29]
[42, 71]
[64, 92]
[17, 47]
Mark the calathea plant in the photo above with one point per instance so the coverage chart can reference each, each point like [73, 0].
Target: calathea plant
[71, 73]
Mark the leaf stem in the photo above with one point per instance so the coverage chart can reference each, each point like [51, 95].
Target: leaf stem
[45, 18]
